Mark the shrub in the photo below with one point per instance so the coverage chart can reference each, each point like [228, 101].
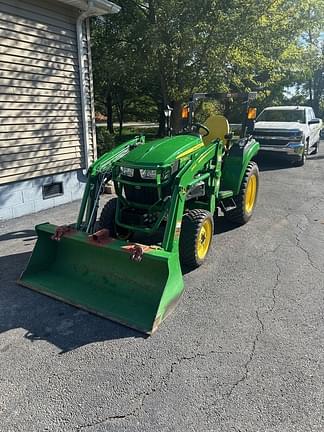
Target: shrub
[105, 141]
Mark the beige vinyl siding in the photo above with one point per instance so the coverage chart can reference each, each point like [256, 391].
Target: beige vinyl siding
[40, 108]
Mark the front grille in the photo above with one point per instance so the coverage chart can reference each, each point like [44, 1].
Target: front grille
[136, 217]
[272, 133]
[141, 194]
[272, 142]
[279, 137]
[132, 217]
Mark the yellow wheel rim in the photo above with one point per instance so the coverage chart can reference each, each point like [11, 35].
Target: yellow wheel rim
[251, 191]
[204, 239]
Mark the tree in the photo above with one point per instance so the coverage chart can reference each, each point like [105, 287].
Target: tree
[167, 49]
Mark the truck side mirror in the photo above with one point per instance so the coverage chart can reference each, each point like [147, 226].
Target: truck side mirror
[314, 121]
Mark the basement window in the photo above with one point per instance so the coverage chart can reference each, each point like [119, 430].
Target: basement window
[53, 190]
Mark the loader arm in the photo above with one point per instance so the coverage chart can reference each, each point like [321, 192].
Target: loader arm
[193, 172]
[99, 173]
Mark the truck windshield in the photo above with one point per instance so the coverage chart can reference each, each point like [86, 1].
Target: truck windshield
[282, 116]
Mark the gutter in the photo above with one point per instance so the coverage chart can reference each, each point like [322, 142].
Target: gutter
[94, 8]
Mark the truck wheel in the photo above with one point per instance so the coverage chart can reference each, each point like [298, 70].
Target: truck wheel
[316, 148]
[196, 236]
[246, 199]
[302, 160]
[107, 220]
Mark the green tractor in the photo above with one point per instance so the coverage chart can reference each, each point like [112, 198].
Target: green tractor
[126, 266]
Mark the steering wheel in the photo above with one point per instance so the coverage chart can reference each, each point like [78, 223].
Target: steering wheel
[199, 126]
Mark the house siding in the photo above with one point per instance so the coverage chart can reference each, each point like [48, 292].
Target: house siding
[41, 131]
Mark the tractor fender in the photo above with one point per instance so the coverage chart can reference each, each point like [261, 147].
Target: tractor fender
[236, 162]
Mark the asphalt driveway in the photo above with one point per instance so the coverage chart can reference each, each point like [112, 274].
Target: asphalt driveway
[242, 352]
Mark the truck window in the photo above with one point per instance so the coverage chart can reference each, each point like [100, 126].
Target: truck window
[282, 116]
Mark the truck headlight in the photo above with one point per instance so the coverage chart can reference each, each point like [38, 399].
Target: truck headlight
[148, 174]
[128, 172]
[297, 136]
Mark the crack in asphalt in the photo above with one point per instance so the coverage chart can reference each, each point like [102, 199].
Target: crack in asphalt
[274, 289]
[159, 385]
[302, 248]
[274, 295]
[250, 358]
[270, 309]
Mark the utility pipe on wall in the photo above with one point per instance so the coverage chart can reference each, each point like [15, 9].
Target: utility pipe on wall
[93, 9]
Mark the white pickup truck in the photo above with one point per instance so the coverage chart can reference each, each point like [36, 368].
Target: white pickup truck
[290, 130]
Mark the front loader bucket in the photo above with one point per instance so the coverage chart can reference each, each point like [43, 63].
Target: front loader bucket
[103, 279]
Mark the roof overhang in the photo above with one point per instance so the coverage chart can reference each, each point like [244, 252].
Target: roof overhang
[94, 7]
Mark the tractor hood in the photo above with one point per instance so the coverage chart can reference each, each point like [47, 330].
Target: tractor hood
[162, 152]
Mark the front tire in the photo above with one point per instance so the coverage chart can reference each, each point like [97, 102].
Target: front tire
[246, 199]
[196, 237]
[107, 221]
[302, 160]
[316, 148]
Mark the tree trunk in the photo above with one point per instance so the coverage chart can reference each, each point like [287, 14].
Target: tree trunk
[318, 91]
[176, 121]
[109, 110]
[161, 130]
[121, 113]
[310, 88]
[121, 121]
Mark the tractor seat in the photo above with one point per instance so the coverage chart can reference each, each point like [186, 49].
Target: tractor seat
[218, 129]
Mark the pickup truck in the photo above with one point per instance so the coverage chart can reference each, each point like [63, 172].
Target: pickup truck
[293, 131]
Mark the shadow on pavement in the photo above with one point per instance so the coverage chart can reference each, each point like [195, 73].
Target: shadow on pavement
[44, 318]
[25, 234]
[222, 225]
[273, 164]
[317, 157]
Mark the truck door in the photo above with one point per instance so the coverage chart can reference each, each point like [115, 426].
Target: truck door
[313, 129]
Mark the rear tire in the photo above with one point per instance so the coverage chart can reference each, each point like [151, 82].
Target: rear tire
[196, 236]
[246, 199]
[107, 221]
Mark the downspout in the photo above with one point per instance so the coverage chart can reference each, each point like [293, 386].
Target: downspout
[92, 10]
[79, 29]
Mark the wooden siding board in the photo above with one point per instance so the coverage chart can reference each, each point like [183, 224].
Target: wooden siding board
[19, 122]
[18, 36]
[63, 17]
[31, 23]
[25, 84]
[33, 31]
[39, 135]
[9, 91]
[23, 55]
[41, 99]
[37, 165]
[33, 77]
[20, 60]
[17, 161]
[35, 69]
[7, 43]
[40, 106]
[50, 143]
[46, 170]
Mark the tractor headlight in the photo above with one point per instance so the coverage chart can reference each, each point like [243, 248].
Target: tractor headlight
[148, 174]
[128, 172]
[166, 174]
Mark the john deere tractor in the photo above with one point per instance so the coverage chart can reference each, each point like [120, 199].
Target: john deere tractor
[127, 265]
